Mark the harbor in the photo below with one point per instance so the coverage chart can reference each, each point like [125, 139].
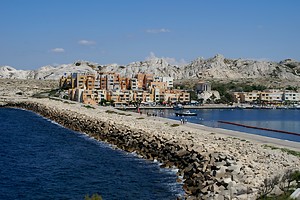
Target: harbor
[138, 133]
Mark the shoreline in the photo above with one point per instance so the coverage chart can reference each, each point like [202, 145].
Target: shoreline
[293, 145]
[242, 135]
[190, 144]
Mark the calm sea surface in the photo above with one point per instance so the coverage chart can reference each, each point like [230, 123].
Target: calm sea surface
[279, 119]
[42, 160]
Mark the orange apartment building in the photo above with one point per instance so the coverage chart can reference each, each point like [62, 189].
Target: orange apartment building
[143, 80]
[91, 89]
[174, 96]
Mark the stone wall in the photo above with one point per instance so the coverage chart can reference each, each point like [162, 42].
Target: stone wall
[210, 175]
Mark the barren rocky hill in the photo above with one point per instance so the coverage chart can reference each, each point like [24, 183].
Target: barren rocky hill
[216, 68]
[21, 87]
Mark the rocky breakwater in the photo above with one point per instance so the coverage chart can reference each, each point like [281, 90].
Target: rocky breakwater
[206, 172]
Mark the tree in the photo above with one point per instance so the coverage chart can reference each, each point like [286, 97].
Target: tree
[103, 102]
[193, 95]
[208, 101]
[291, 88]
[268, 186]
[286, 180]
[296, 177]
[111, 102]
[201, 100]
[213, 97]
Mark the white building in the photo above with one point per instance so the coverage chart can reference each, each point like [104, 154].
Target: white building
[291, 96]
[209, 96]
[204, 92]
[134, 84]
[169, 81]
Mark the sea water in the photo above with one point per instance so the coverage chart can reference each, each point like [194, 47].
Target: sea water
[278, 119]
[41, 160]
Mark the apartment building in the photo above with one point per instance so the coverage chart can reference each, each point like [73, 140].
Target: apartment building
[90, 81]
[138, 96]
[93, 88]
[184, 97]
[134, 84]
[268, 96]
[160, 85]
[247, 97]
[65, 82]
[291, 96]
[90, 97]
[157, 94]
[168, 81]
[174, 96]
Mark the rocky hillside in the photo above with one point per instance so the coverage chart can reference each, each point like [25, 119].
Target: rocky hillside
[217, 67]
[46, 72]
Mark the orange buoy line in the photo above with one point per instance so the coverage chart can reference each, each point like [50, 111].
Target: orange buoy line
[260, 128]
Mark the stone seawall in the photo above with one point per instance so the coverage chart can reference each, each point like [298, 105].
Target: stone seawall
[206, 173]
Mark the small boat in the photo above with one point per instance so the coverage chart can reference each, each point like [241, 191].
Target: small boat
[186, 113]
[297, 107]
[178, 107]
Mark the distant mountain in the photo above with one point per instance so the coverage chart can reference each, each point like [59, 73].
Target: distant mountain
[217, 67]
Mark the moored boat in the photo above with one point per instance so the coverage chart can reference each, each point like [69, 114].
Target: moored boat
[178, 107]
[185, 113]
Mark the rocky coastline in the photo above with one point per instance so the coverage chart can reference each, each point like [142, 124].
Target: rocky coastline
[211, 165]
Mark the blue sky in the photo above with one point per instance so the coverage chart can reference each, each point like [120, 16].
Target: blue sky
[34, 33]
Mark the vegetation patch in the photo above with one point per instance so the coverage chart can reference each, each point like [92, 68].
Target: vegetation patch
[140, 118]
[279, 197]
[88, 106]
[292, 152]
[286, 182]
[114, 112]
[111, 112]
[67, 102]
[288, 151]
[40, 95]
[174, 125]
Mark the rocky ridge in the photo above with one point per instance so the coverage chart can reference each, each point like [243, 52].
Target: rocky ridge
[217, 67]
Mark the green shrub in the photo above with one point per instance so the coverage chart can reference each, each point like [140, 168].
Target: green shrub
[288, 151]
[174, 125]
[111, 112]
[88, 106]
